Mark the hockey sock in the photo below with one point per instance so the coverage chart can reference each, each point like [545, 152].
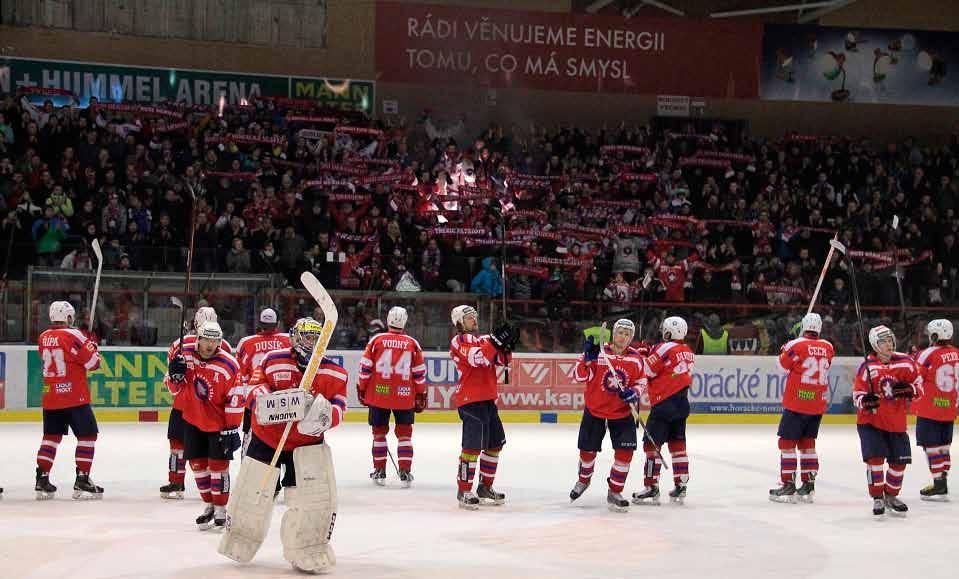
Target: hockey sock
[84, 452]
[894, 476]
[467, 469]
[489, 460]
[48, 451]
[677, 452]
[177, 467]
[620, 469]
[808, 459]
[787, 459]
[404, 445]
[379, 446]
[938, 457]
[874, 477]
[587, 460]
[652, 467]
[201, 473]
[220, 481]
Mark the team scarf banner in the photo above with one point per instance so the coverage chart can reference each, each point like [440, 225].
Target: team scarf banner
[332, 183]
[528, 270]
[45, 91]
[139, 110]
[534, 234]
[706, 163]
[172, 127]
[313, 134]
[641, 177]
[352, 197]
[458, 231]
[350, 238]
[623, 149]
[238, 139]
[564, 262]
[235, 175]
[473, 242]
[732, 157]
[351, 130]
[771, 288]
[310, 119]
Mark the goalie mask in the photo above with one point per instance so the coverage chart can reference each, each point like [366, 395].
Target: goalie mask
[303, 338]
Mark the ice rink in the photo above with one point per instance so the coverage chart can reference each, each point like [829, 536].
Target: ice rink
[727, 528]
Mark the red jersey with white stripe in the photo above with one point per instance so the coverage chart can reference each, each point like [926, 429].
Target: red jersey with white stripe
[891, 414]
[939, 366]
[188, 340]
[604, 381]
[280, 372]
[251, 350]
[66, 355]
[476, 358]
[392, 371]
[212, 396]
[669, 369]
[807, 360]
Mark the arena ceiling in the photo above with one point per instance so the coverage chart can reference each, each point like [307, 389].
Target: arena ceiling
[770, 10]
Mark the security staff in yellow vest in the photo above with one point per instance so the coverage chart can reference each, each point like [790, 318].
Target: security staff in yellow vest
[599, 335]
[711, 345]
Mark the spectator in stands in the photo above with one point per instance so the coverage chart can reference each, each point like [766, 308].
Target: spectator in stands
[457, 268]
[488, 281]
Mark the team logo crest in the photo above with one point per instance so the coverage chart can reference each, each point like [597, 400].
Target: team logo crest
[613, 380]
[201, 389]
[885, 387]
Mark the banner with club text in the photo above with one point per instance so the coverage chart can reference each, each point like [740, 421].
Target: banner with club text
[424, 43]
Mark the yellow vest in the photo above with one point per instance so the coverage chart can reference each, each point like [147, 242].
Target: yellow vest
[718, 345]
[599, 336]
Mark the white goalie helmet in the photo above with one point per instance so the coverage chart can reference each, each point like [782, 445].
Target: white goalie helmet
[396, 318]
[627, 325]
[812, 323]
[62, 313]
[675, 327]
[938, 330]
[203, 315]
[210, 331]
[459, 314]
[880, 333]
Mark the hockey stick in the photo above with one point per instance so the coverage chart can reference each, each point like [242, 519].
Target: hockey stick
[96, 284]
[855, 299]
[632, 407]
[330, 317]
[647, 279]
[176, 302]
[898, 275]
[822, 274]
[189, 266]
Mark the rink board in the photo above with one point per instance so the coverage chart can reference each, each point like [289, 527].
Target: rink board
[725, 389]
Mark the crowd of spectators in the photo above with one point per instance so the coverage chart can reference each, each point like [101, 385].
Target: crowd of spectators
[617, 215]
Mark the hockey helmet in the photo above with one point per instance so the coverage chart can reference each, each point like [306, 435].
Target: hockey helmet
[203, 314]
[940, 329]
[879, 334]
[459, 314]
[396, 318]
[62, 313]
[674, 328]
[812, 323]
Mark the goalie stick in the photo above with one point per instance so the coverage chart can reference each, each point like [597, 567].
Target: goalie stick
[96, 283]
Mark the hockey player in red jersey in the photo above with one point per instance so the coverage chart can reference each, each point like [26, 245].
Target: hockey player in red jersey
[206, 378]
[476, 358]
[67, 355]
[613, 374]
[669, 371]
[177, 464]
[936, 409]
[393, 380]
[250, 352]
[885, 383]
[807, 360]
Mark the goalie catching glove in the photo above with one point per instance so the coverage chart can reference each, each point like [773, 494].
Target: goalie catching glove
[319, 416]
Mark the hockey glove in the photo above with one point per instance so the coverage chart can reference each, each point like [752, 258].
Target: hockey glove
[628, 395]
[504, 337]
[420, 402]
[230, 441]
[903, 390]
[870, 401]
[590, 350]
[361, 394]
[177, 369]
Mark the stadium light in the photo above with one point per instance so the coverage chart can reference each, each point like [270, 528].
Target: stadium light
[828, 6]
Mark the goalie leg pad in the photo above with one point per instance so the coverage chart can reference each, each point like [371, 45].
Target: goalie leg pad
[249, 510]
[311, 513]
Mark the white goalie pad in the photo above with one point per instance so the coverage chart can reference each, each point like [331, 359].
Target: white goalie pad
[318, 418]
[249, 510]
[311, 513]
[281, 407]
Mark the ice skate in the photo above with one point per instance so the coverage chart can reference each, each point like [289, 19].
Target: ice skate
[85, 489]
[172, 491]
[784, 494]
[616, 502]
[45, 490]
[878, 506]
[807, 492]
[219, 517]
[205, 520]
[678, 494]
[406, 478]
[379, 476]
[467, 500]
[578, 489]
[648, 496]
[937, 491]
[898, 507]
[488, 496]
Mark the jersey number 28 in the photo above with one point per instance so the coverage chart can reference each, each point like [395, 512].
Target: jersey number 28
[813, 366]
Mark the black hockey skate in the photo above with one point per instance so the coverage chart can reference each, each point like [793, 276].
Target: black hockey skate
[45, 490]
[489, 496]
[784, 494]
[379, 476]
[937, 491]
[467, 500]
[578, 489]
[219, 518]
[205, 520]
[898, 507]
[406, 478]
[172, 491]
[678, 494]
[84, 489]
[648, 496]
[807, 492]
[616, 502]
[878, 506]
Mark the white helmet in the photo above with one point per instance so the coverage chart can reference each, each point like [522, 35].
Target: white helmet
[267, 316]
[62, 313]
[210, 331]
[880, 333]
[675, 326]
[627, 325]
[203, 314]
[940, 329]
[396, 318]
[812, 323]
[460, 312]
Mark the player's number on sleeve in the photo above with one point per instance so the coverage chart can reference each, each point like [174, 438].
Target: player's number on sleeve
[54, 366]
[946, 377]
[385, 367]
[814, 366]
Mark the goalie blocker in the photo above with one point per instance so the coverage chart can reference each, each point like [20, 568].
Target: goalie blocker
[309, 481]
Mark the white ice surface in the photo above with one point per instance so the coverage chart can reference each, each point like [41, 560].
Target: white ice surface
[727, 528]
